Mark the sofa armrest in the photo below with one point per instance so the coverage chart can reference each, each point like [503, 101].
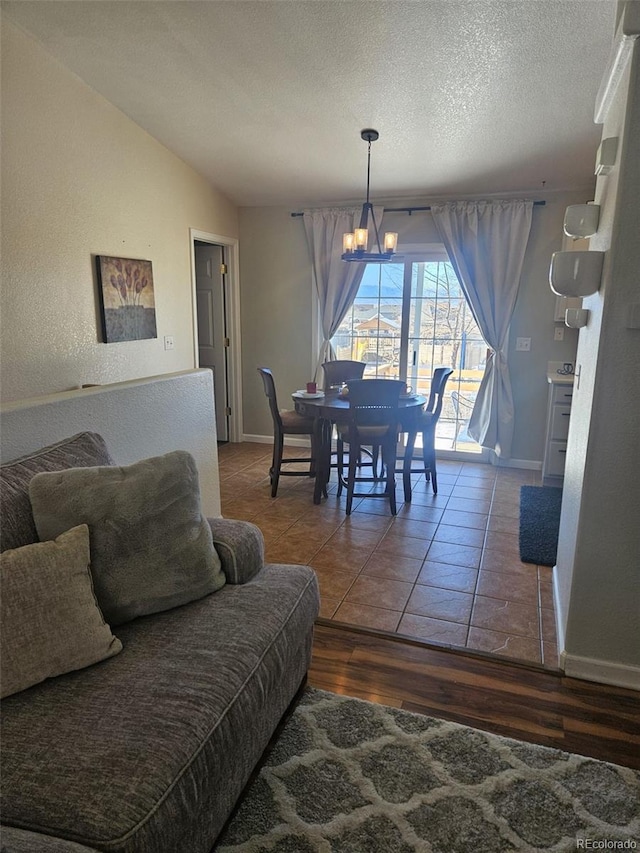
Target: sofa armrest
[240, 546]
[14, 840]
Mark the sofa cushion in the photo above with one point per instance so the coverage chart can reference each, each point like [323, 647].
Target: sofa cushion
[78, 451]
[151, 547]
[293, 422]
[150, 753]
[51, 622]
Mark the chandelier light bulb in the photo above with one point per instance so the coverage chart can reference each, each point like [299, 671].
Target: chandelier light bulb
[362, 238]
[390, 241]
[348, 242]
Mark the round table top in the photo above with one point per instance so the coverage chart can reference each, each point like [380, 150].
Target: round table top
[331, 405]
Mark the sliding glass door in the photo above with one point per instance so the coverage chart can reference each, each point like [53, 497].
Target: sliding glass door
[408, 318]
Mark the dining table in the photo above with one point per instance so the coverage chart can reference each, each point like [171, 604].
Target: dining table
[329, 408]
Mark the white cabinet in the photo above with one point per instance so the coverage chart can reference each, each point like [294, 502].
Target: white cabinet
[555, 447]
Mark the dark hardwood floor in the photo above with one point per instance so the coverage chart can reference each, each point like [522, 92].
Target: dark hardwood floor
[520, 701]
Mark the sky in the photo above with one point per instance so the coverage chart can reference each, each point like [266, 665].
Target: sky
[390, 277]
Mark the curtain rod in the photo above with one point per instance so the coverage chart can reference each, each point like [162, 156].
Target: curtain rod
[411, 210]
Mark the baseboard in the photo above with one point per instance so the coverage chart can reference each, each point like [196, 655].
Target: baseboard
[574, 666]
[292, 441]
[591, 669]
[289, 440]
[528, 464]
[257, 439]
[601, 671]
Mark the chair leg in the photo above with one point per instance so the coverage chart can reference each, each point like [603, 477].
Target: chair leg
[427, 454]
[434, 479]
[388, 454]
[354, 453]
[374, 463]
[321, 444]
[406, 466]
[274, 473]
[429, 457]
[314, 456]
[340, 464]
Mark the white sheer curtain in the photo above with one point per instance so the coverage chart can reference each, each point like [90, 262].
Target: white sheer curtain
[337, 281]
[486, 242]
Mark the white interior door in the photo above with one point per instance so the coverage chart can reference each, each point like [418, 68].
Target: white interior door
[212, 332]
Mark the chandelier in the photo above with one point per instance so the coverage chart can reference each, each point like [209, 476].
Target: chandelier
[354, 244]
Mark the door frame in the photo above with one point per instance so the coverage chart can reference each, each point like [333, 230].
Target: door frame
[417, 253]
[232, 304]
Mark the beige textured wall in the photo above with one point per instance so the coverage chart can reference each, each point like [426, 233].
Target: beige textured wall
[79, 179]
[275, 298]
[277, 310]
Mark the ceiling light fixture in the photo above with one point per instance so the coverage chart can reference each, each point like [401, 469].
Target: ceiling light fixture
[354, 244]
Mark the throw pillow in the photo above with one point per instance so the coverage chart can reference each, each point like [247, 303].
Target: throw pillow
[51, 622]
[78, 451]
[151, 547]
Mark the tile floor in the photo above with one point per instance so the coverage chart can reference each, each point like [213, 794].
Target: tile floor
[445, 570]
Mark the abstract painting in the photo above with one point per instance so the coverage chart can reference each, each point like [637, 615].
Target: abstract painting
[127, 300]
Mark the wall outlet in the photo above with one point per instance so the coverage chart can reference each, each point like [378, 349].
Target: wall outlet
[523, 344]
[168, 342]
[558, 335]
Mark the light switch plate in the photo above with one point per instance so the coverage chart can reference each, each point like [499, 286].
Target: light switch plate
[523, 344]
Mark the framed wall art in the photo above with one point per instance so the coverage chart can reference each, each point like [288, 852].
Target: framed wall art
[127, 302]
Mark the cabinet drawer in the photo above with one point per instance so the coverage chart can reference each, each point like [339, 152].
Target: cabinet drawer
[556, 456]
[562, 394]
[559, 428]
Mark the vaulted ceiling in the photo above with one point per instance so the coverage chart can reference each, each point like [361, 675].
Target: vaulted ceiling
[266, 98]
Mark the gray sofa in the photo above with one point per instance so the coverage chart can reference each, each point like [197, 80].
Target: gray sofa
[149, 750]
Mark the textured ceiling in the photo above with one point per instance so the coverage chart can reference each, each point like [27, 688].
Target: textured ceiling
[267, 98]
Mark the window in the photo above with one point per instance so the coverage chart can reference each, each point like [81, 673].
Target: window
[408, 318]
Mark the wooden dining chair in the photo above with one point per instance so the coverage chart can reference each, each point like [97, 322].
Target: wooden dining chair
[373, 421]
[286, 422]
[425, 423]
[336, 373]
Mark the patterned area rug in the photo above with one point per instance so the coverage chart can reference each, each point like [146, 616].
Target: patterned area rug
[348, 776]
